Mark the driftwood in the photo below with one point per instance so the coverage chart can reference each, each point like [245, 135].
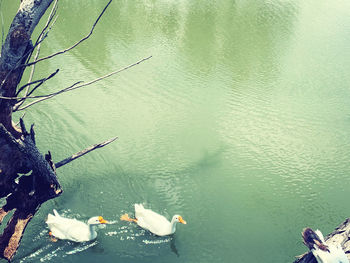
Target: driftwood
[339, 236]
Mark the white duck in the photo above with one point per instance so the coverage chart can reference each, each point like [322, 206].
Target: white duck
[153, 222]
[72, 229]
[323, 252]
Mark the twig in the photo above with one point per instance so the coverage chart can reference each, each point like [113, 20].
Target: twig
[76, 44]
[58, 53]
[45, 97]
[42, 81]
[41, 38]
[36, 81]
[83, 152]
[39, 96]
[42, 34]
[34, 102]
[42, 99]
[22, 117]
[103, 77]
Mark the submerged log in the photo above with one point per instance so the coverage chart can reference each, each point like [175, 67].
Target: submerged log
[339, 236]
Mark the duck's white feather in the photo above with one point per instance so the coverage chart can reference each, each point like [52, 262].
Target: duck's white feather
[335, 255]
[323, 252]
[71, 229]
[152, 221]
[320, 235]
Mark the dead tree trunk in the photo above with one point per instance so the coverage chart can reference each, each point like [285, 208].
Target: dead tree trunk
[18, 153]
[27, 178]
[26, 196]
[339, 236]
[14, 53]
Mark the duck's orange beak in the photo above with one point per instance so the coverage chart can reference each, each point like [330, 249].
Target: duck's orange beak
[102, 221]
[182, 221]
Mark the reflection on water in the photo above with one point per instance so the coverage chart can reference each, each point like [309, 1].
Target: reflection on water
[173, 247]
[239, 122]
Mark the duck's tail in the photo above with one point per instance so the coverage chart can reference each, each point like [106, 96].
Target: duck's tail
[139, 207]
[51, 217]
[314, 239]
[55, 212]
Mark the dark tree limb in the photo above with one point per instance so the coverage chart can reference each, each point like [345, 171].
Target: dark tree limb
[41, 81]
[33, 159]
[30, 192]
[83, 152]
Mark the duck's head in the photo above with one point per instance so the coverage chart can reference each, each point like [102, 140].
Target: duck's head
[97, 220]
[179, 219]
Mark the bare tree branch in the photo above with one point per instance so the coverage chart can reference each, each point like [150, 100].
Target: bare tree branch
[26, 46]
[43, 34]
[41, 81]
[44, 98]
[22, 117]
[73, 87]
[28, 54]
[76, 44]
[32, 103]
[41, 38]
[83, 152]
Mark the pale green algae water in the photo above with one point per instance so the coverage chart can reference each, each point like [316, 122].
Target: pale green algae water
[240, 123]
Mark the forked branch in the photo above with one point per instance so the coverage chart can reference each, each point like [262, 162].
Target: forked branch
[41, 81]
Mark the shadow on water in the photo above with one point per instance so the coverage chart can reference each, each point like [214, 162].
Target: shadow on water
[173, 247]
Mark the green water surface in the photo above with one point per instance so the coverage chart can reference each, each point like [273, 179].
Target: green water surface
[240, 122]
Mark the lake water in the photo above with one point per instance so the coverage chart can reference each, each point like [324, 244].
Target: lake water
[240, 122]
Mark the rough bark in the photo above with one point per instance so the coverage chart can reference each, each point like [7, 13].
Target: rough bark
[31, 190]
[26, 178]
[14, 53]
[339, 236]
